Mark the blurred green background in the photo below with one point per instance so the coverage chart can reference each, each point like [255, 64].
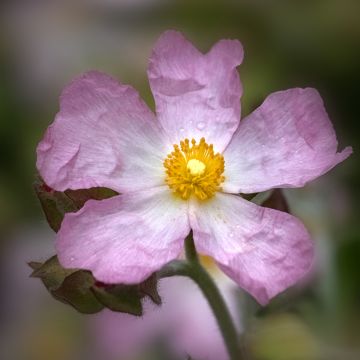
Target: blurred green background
[43, 44]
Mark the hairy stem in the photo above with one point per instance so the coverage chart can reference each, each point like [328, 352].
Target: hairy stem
[190, 250]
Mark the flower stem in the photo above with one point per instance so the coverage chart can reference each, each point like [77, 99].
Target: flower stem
[193, 269]
[190, 250]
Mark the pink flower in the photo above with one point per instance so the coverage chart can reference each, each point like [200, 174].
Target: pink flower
[183, 169]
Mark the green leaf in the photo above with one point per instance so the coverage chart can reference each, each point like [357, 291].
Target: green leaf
[51, 273]
[70, 286]
[80, 289]
[35, 265]
[277, 201]
[127, 298]
[149, 288]
[76, 291]
[248, 197]
[79, 197]
[56, 204]
[122, 298]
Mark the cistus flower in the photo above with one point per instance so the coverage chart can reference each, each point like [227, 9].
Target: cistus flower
[184, 169]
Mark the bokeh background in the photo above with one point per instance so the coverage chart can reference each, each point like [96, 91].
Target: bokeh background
[44, 44]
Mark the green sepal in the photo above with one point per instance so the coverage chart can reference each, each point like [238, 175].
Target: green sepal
[56, 204]
[149, 288]
[79, 197]
[34, 265]
[80, 289]
[51, 273]
[70, 286]
[248, 197]
[127, 298]
[76, 291]
[277, 201]
[121, 298]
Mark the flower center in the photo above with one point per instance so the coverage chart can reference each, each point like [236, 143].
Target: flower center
[194, 169]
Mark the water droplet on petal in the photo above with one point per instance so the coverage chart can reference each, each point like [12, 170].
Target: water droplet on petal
[231, 235]
[238, 226]
[200, 125]
[72, 259]
[181, 129]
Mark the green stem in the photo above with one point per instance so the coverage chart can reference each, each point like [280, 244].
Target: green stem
[190, 250]
[193, 269]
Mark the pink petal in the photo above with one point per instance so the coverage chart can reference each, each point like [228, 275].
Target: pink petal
[104, 135]
[264, 250]
[286, 142]
[196, 95]
[126, 238]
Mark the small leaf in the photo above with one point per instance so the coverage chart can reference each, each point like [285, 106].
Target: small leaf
[70, 286]
[79, 197]
[122, 298]
[56, 204]
[51, 273]
[80, 289]
[76, 291]
[35, 265]
[149, 288]
[277, 201]
[127, 298]
[248, 197]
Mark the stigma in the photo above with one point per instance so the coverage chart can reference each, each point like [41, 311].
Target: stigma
[194, 169]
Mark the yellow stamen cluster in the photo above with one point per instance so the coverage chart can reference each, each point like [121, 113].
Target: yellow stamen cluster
[194, 169]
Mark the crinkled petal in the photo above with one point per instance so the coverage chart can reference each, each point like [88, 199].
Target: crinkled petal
[263, 250]
[196, 95]
[126, 238]
[286, 142]
[104, 135]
